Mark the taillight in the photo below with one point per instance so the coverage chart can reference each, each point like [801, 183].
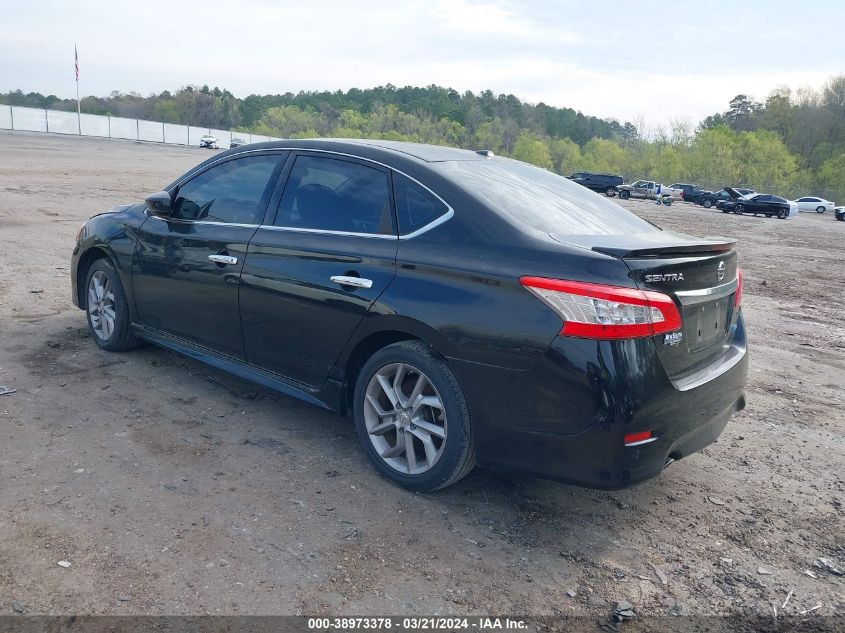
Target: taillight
[738, 294]
[606, 312]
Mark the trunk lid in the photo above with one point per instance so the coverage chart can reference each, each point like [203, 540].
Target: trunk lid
[698, 273]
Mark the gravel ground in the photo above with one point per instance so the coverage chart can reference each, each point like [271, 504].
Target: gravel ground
[171, 488]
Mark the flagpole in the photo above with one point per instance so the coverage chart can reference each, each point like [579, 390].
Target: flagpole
[78, 108]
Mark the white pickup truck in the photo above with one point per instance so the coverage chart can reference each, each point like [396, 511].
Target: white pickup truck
[647, 189]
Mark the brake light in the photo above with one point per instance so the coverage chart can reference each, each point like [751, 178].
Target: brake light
[738, 293]
[597, 311]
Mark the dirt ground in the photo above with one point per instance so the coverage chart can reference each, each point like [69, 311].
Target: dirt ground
[171, 488]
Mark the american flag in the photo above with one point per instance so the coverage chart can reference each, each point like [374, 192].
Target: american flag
[76, 62]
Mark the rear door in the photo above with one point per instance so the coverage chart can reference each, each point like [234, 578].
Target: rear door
[312, 274]
[186, 268]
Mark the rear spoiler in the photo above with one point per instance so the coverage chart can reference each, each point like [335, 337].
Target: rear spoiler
[681, 249]
[653, 244]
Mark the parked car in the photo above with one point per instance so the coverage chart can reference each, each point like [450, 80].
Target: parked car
[459, 306]
[723, 195]
[646, 189]
[236, 142]
[839, 213]
[603, 183]
[759, 204]
[809, 204]
[209, 140]
[689, 193]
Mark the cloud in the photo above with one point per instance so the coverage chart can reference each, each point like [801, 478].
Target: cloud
[582, 56]
[495, 20]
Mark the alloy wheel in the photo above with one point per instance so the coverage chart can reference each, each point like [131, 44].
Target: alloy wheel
[101, 308]
[405, 418]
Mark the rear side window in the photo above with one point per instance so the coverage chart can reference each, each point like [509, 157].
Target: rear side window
[232, 192]
[416, 206]
[329, 194]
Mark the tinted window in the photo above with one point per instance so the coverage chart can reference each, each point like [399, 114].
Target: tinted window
[335, 195]
[230, 192]
[540, 200]
[416, 206]
[777, 199]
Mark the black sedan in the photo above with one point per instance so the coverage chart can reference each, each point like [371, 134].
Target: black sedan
[460, 307]
[759, 204]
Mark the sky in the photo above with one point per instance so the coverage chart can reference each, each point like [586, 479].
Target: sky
[648, 61]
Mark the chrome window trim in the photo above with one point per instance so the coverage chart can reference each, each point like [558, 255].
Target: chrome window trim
[450, 212]
[433, 224]
[691, 297]
[294, 229]
[181, 221]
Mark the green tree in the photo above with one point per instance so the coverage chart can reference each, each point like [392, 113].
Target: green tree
[531, 148]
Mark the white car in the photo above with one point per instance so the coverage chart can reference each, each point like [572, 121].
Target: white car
[209, 140]
[809, 204]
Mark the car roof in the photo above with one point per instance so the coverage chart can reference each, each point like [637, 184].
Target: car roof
[371, 148]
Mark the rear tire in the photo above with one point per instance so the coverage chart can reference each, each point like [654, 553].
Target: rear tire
[107, 308]
[610, 192]
[434, 425]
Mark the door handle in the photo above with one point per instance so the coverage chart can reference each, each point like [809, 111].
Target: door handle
[223, 259]
[357, 282]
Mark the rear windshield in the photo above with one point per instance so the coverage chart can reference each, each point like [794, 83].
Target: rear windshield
[541, 200]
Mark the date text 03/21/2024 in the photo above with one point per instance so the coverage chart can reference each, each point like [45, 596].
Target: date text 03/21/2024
[431, 623]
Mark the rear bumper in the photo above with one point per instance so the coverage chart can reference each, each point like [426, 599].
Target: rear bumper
[566, 418]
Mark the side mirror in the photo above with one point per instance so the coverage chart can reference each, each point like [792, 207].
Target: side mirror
[159, 203]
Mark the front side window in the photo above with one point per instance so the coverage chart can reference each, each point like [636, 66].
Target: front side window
[329, 194]
[416, 206]
[232, 192]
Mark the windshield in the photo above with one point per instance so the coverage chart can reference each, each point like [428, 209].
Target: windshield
[541, 200]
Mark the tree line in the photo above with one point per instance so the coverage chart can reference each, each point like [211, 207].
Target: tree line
[790, 144]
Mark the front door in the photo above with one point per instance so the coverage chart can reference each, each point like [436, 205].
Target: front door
[187, 266]
[310, 278]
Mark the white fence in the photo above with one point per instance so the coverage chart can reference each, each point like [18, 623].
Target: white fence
[61, 122]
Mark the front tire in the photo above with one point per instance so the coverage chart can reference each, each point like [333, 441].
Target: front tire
[707, 203]
[782, 214]
[107, 309]
[738, 209]
[820, 209]
[624, 195]
[412, 417]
